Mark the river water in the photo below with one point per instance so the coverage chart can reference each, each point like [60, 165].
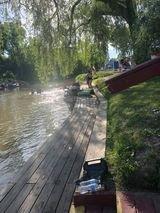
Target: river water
[26, 122]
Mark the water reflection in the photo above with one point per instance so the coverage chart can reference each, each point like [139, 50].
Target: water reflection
[25, 123]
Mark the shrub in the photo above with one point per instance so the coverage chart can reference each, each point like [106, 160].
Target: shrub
[81, 78]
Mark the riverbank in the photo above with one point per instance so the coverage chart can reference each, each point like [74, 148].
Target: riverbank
[133, 135]
[12, 84]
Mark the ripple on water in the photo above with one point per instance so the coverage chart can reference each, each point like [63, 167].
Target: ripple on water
[26, 121]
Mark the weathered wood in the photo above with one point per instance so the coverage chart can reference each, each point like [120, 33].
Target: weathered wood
[65, 200]
[78, 157]
[139, 74]
[54, 180]
[46, 146]
[20, 199]
[46, 182]
[27, 173]
[136, 202]
[103, 198]
[42, 181]
[51, 157]
[97, 143]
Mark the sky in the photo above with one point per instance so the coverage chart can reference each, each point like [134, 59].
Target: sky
[112, 52]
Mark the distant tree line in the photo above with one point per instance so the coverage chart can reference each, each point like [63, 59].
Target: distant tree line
[15, 58]
[70, 36]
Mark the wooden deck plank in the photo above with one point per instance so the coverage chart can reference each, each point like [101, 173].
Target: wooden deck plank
[25, 176]
[51, 172]
[19, 199]
[45, 146]
[30, 162]
[51, 205]
[65, 200]
[53, 180]
[48, 170]
[41, 183]
[62, 143]
[73, 163]
[18, 187]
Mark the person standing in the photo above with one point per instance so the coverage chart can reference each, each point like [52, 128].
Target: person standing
[124, 65]
[89, 78]
[93, 70]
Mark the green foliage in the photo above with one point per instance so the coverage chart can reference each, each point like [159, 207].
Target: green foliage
[100, 83]
[14, 52]
[79, 68]
[121, 24]
[81, 78]
[142, 46]
[102, 74]
[148, 35]
[12, 35]
[66, 37]
[121, 155]
[7, 76]
[141, 35]
[98, 77]
[120, 38]
[75, 34]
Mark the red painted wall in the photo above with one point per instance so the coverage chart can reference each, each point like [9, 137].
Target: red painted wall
[141, 73]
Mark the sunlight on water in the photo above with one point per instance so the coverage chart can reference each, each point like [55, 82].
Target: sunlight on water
[26, 121]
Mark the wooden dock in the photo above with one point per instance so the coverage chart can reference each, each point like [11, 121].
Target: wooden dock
[47, 181]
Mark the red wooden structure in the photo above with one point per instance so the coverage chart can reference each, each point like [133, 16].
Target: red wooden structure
[141, 73]
[138, 202]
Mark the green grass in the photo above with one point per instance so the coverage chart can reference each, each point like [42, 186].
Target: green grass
[134, 134]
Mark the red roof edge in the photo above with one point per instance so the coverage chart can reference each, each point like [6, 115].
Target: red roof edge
[139, 74]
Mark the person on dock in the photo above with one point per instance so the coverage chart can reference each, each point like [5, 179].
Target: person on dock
[124, 65]
[93, 70]
[89, 78]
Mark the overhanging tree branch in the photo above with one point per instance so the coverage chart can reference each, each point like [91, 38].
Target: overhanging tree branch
[71, 19]
[82, 24]
[123, 8]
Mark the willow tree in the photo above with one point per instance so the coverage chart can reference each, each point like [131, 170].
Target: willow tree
[126, 9]
[61, 26]
[138, 25]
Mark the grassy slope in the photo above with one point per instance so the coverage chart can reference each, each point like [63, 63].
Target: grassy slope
[133, 145]
[98, 75]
